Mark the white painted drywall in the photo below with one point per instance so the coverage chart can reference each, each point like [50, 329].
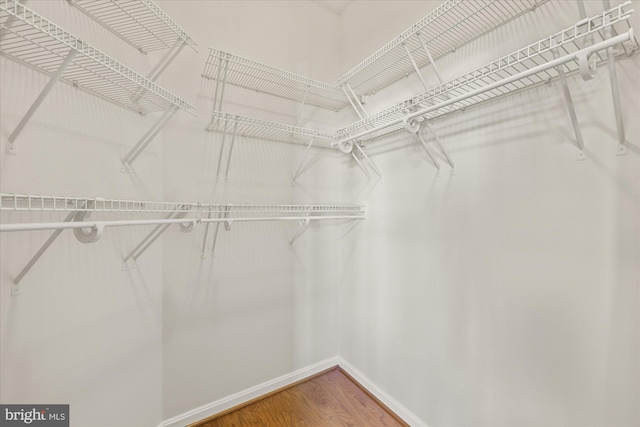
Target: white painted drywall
[506, 294]
[83, 332]
[259, 308]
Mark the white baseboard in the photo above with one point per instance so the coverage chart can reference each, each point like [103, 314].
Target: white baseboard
[244, 396]
[408, 416]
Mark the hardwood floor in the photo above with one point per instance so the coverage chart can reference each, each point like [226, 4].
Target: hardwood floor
[327, 400]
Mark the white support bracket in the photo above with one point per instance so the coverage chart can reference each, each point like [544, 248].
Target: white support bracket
[220, 87]
[352, 103]
[302, 105]
[10, 149]
[15, 286]
[615, 92]
[441, 147]
[431, 156]
[227, 226]
[373, 165]
[366, 172]
[304, 226]
[162, 64]
[157, 231]
[221, 151]
[415, 66]
[146, 139]
[569, 101]
[302, 162]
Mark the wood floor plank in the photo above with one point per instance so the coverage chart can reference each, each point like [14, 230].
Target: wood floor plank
[332, 399]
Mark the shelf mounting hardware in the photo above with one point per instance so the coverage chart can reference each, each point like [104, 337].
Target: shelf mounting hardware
[415, 66]
[304, 226]
[569, 102]
[54, 79]
[146, 139]
[615, 92]
[15, 288]
[155, 233]
[302, 162]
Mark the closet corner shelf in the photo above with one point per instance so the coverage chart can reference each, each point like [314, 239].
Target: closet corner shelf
[262, 129]
[241, 72]
[445, 29]
[532, 65]
[37, 42]
[141, 23]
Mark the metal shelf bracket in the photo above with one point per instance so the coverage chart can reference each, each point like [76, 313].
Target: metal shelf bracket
[153, 235]
[54, 79]
[146, 139]
[304, 226]
[569, 101]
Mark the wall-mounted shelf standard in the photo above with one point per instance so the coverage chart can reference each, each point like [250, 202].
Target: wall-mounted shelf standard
[185, 215]
[37, 42]
[141, 24]
[234, 70]
[450, 26]
[567, 51]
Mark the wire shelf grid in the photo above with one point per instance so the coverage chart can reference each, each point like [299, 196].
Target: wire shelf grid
[266, 130]
[37, 42]
[141, 23]
[566, 42]
[448, 27]
[44, 203]
[252, 75]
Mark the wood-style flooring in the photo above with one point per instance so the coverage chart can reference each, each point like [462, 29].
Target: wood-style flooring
[329, 399]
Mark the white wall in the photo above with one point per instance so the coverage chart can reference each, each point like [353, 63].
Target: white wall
[259, 308]
[506, 294]
[83, 332]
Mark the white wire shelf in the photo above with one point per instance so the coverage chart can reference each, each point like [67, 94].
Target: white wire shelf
[141, 23]
[452, 96]
[235, 70]
[44, 203]
[450, 26]
[266, 130]
[37, 42]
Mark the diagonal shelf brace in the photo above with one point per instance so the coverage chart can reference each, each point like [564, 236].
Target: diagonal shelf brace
[302, 105]
[357, 99]
[225, 215]
[441, 147]
[426, 147]
[146, 139]
[570, 107]
[221, 151]
[366, 172]
[415, 66]
[304, 226]
[615, 92]
[54, 79]
[162, 64]
[373, 165]
[233, 139]
[302, 162]
[15, 289]
[355, 108]
[153, 235]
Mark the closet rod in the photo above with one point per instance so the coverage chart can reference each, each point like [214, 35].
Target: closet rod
[36, 226]
[551, 64]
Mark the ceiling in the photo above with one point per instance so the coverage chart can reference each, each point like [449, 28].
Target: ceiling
[335, 6]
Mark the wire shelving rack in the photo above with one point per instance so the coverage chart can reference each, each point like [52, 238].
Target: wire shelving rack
[141, 23]
[448, 27]
[241, 72]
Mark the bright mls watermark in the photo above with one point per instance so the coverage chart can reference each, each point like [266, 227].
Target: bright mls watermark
[34, 415]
